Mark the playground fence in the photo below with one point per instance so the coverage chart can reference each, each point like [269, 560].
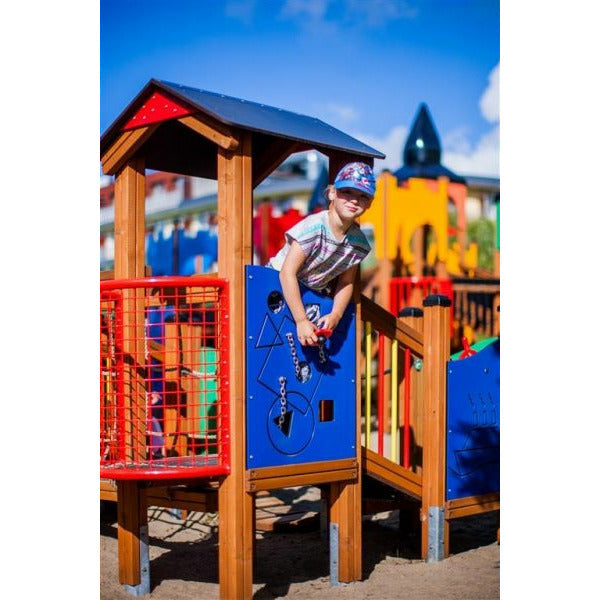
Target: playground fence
[475, 305]
[393, 359]
[164, 376]
[474, 301]
[410, 291]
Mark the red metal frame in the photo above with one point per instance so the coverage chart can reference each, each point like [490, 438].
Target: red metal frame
[164, 378]
[402, 287]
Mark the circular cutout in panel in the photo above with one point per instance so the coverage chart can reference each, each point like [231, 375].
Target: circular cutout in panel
[275, 301]
[305, 373]
[290, 433]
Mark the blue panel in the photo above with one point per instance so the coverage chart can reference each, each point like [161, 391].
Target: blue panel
[473, 417]
[297, 436]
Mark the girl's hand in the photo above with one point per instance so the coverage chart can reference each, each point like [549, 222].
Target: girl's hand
[305, 330]
[329, 321]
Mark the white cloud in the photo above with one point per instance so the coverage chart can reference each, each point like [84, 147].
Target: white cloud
[313, 9]
[457, 141]
[489, 103]
[482, 160]
[392, 145]
[483, 157]
[380, 12]
[338, 113]
[459, 153]
[331, 16]
[310, 16]
[243, 10]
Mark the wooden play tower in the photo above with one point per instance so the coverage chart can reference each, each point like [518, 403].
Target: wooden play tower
[173, 128]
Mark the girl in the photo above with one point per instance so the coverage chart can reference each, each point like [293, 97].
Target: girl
[325, 246]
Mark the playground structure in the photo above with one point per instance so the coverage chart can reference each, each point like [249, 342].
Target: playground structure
[418, 252]
[204, 385]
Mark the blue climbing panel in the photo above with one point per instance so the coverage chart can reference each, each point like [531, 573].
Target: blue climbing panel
[314, 419]
[473, 419]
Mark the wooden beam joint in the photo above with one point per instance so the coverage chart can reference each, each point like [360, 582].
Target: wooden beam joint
[212, 130]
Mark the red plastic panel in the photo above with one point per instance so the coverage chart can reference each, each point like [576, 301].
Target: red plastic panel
[164, 378]
[158, 107]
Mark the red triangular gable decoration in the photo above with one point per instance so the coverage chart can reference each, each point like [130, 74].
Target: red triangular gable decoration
[158, 107]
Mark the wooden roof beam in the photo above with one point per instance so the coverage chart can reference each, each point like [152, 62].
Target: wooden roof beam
[272, 157]
[213, 130]
[126, 145]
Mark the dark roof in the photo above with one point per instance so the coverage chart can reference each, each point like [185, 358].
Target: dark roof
[427, 172]
[423, 151]
[251, 116]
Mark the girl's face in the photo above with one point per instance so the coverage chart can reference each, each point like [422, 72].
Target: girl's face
[349, 203]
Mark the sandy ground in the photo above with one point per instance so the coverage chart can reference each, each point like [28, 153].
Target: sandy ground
[183, 560]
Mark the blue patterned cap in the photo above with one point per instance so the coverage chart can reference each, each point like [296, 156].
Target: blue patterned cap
[356, 175]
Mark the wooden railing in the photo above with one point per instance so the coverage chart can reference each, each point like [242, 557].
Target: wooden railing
[393, 360]
[475, 303]
[410, 407]
[476, 306]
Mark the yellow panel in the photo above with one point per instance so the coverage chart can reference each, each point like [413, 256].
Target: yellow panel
[398, 211]
[394, 403]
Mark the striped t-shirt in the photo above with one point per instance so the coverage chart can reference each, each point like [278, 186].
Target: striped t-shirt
[326, 257]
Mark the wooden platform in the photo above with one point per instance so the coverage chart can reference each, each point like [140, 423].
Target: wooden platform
[276, 511]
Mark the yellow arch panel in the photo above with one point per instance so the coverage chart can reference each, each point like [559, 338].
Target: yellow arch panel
[397, 212]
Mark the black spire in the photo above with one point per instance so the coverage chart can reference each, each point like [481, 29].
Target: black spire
[423, 151]
[423, 144]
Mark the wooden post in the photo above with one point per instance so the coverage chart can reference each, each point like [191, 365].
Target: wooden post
[345, 506]
[264, 212]
[129, 263]
[496, 315]
[132, 518]
[418, 250]
[236, 506]
[436, 351]
[344, 498]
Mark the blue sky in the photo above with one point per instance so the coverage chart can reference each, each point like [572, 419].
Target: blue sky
[361, 65]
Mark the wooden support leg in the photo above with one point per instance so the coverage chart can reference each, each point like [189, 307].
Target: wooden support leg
[132, 518]
[324, 511]
[236, 540]
[236, 506]
[434, 534]
[436, 344]
[345, 531]
[424, 533]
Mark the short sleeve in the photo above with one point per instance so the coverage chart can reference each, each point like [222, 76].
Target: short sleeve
[306, 233]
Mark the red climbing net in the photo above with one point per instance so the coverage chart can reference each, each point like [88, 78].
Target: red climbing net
[164, 378]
